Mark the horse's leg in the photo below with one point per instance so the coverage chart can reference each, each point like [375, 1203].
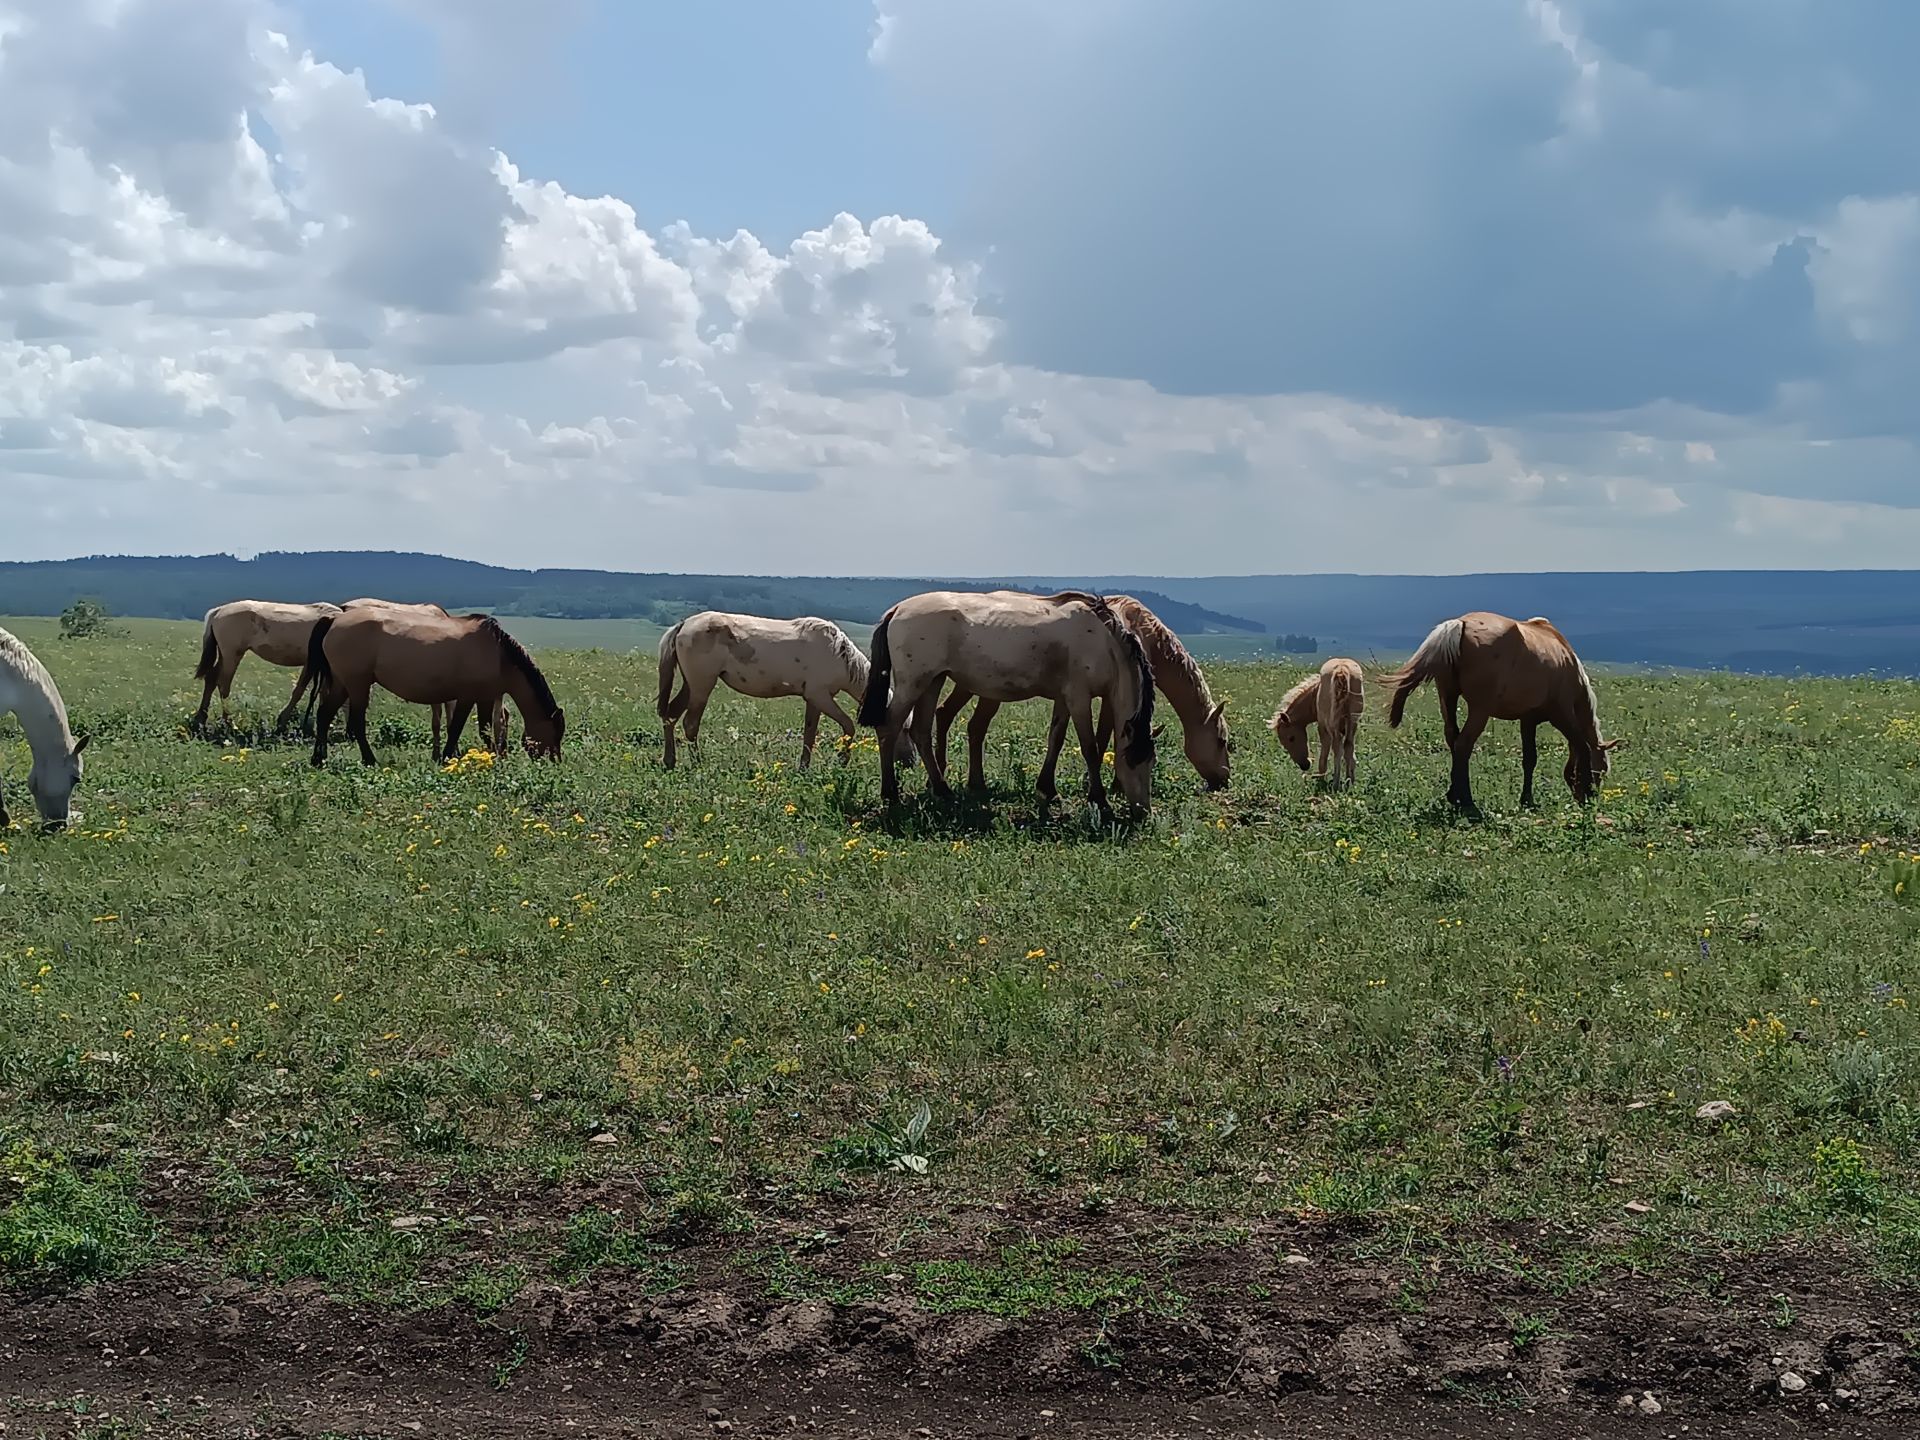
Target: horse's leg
[977, 727]
[1529, 755]
[330, 704]
[690, 720]
[1460, 791]
[948, 712]
[809, 734]
[1090, 750]
[457, 712]
[227, 672]
[500, 723]
[921, 726]
[1582, 765]
[831, 708]
[1048, 782]
[1326, 748]
[357, 726]
[434, 710]
[1450, 713]
[1347, 747]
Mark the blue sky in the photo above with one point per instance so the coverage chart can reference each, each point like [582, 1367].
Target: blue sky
[983, 287]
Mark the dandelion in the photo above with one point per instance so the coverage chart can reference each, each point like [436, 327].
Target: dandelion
[133, 996]
[338, 996]
[825, 989]
[790, 808]
[373, 1072]
[1037, 954]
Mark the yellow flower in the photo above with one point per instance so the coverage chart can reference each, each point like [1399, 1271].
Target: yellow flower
[825, 989]
[339, 996]
[133, 996]
[1037, 954]
[373, 1073]
[105, 919]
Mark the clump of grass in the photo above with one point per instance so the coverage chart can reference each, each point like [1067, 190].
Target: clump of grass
[59, 1226]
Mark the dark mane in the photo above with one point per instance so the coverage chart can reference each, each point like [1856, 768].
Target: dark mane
[1140, 744]
[522, 661]
[1166, 643]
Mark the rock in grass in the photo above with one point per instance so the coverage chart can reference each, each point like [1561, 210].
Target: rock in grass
[1716, 1111]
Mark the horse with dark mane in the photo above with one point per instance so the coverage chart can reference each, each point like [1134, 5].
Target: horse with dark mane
[1507, 669]
[1004, 645]
[430, 659]
[1203, 720]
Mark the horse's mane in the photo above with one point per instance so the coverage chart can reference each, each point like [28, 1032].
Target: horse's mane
[842, 644]
[1166, 646]
[1140, 747]
[1287, 700]
[15, 654]
[522, 661]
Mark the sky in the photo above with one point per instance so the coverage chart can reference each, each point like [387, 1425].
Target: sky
[964, 287]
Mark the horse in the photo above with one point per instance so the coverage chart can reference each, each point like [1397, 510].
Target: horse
[1202, 719]
[274, 631]
[1507, 670]
[1334, 699]
[28, 691]
[766, 659]
[1006, 645]
[495, 734]
[426, 658]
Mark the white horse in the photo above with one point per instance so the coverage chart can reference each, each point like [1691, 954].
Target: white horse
[28, 691]
[767, 659]
[276, 632]
[1004, 645]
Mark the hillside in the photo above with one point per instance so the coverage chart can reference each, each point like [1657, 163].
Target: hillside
[185, 587]
[1777, 622]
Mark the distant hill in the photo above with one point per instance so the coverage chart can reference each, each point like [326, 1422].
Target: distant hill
[1765, 622]
[187, 586]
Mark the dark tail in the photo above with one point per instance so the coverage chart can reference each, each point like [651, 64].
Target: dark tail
[873, 705]
[209, 652]
[669, 662]
[1140, 731]
[317, 672]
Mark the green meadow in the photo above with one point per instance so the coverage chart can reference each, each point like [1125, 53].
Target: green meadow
[250, 1013]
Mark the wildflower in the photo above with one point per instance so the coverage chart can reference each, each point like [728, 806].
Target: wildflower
[1038, 954]
[133, 996]
[825, 989]
[500, 851]
[338, 996]
[373, 1072]
[790, 808]
[105, 919]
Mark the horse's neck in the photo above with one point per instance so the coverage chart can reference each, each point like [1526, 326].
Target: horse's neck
[520, 690]
[1175, 680]
[37, 705]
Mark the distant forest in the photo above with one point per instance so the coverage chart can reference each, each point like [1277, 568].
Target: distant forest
[1841, 622]
[186, 587]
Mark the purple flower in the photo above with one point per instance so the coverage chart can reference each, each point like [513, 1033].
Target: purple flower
[1504, 1066]
[1706, 951]
[1882, 989]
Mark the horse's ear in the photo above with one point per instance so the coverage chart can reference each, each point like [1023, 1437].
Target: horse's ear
[82, 745]
[1213, 715]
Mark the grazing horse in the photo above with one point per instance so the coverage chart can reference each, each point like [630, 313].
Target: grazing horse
[1203, 721]
[495, 734]
[1507, 670]
[276, 632]
[1333, 699]
[1005, 645]
[766, 659]
[426, 658]
[28, 691]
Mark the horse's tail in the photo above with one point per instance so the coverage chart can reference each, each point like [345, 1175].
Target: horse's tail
[209, 651]
[317, 672]
[669, 664]
[1139, 731]
[1438, 654]
[873, 705]
[1350, 690]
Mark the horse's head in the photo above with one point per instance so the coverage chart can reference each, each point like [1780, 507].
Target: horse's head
[1602, 763]
[542, 737]
[51, 783]
[1133, 764]
[1292, 735]
[1209, 748]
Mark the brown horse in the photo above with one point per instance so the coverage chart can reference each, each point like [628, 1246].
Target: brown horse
[1202, 719]
[1507, 670]
[1005, 645]
[495, 734]
[276, 632]
[1334, 699]
[428, 659]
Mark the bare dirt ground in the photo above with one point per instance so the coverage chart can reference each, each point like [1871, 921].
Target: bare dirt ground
[1278, 1333]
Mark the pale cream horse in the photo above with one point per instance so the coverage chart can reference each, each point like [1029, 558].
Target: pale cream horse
[1333, 699]
[1507, 669]
[766, 659]
[1202, 719]
[28, 691]
[1004, 645]
[274, 631]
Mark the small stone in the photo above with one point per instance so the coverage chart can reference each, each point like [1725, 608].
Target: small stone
[723, 1427]
[1639, 1104]
[1298, 1259]
[713, 1412]
[1648, 1405]
[605, 1137]
[1716, 1111]
[1639, 1207]
[1791, 1383]
[1846, 1396]
[409, 1222]
[1046, 1414]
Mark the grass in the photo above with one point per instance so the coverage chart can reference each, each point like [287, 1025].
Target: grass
[733, 985]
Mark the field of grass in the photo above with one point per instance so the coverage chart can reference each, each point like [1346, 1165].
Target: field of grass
[251, 1013]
